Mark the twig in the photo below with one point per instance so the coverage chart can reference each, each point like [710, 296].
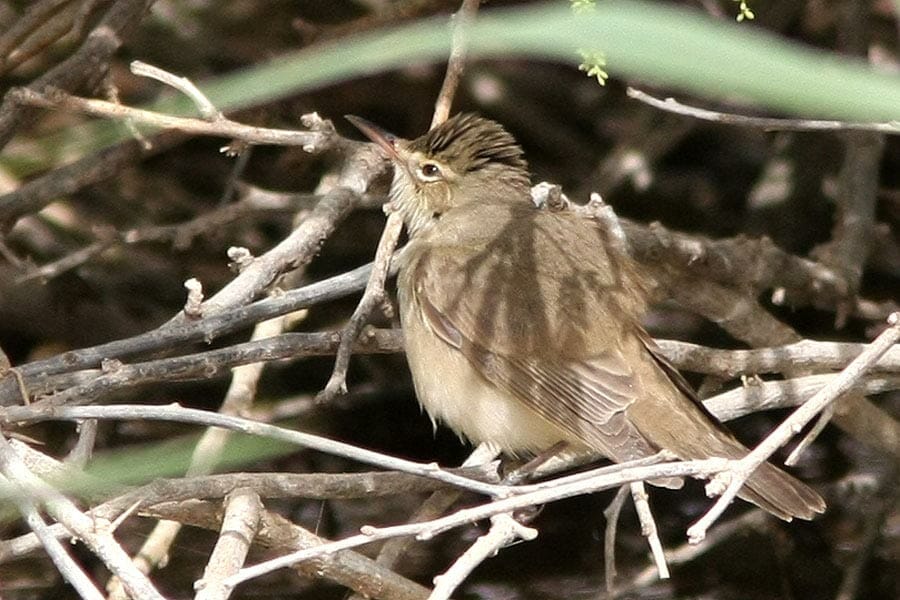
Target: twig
[811, 435]
[34, 195]
[806, 354]
[182, 84]
[239, 525]
[49, 32]
[857, 195]
[874, 518]
[373, 296]
[311, 141]
[84, 67]
[80, 387]
[81, 453]
[851, 237]
[91, 385]
[688, 552]
[304, 242]
[64, 563]
[187, 415]
[347, 568]
[733, 479]
[427, 530]
[673, 106]
[612, 513]
[504, 531]
[457, 61]
[313, 486]
[743, 317]
[374, 293]
[434, 506]
[774, 267]
[155, 549]
[207, 329]
[97, 536]
[36, 15]
[765, 395]
[648, 527]
[176, 500]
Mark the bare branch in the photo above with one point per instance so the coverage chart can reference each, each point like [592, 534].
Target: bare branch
[673, 106]
[427, 530]
[735, 476]
[455, 65]
[239, 525]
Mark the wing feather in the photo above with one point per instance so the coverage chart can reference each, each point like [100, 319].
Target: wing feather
[525, 326]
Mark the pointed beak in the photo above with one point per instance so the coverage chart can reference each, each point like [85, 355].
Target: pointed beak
[385, 139]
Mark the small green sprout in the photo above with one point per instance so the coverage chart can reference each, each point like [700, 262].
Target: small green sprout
[745, 11]
[593, 64]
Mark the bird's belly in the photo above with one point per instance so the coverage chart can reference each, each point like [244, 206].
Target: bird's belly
[453, 393]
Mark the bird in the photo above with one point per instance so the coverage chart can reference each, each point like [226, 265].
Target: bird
[522, 325]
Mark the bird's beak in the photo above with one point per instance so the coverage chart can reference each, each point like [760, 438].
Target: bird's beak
[386, 140]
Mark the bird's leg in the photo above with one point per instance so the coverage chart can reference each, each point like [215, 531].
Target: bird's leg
[526, 471]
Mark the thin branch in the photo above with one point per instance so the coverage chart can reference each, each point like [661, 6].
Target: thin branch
[34, 195]
[876, 515]
[84, 68]
[806, 354]
[673, 106]
[61, 558]
[757, 396]
[457, 61]
[734, 478]
[504, 531]
[92, 385]
[239, 525]
[179, 414]
[434, 506]
[34, 17]
[612, 514]
[311, 486]
[184, 85]
[210, 327]
[311, 141]
[427, 530]
[851, 237]
[298, 248]
[373, 296]
[347, 568]
[648, 527]
[239, 397]
[688, 552]
[97, 536]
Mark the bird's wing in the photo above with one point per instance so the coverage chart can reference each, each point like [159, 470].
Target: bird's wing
[541, 319]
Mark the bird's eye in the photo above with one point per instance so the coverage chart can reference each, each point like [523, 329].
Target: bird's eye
[430, 171]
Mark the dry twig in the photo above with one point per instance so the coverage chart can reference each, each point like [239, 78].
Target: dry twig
[727, 484]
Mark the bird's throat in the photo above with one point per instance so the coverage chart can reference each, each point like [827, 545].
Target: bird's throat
[405, 198]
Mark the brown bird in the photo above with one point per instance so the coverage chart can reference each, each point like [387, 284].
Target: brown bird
[522, 326]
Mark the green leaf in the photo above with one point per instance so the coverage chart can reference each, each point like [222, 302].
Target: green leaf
[658, 44]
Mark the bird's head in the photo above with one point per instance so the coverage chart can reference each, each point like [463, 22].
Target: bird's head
[466, 159]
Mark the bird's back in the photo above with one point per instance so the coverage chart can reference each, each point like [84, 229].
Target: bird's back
[546, 308]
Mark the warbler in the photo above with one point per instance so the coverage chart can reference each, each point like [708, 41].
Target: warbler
[522, 325]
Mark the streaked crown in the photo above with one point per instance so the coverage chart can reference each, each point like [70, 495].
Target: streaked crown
[468, 143]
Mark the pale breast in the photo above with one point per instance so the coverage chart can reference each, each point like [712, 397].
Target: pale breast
[452, 392]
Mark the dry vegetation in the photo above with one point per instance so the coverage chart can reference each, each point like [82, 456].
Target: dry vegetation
[761, 234]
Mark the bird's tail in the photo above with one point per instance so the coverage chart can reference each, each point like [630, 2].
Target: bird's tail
[781, 494]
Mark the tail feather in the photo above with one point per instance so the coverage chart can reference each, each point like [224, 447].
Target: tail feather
[781, 494]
